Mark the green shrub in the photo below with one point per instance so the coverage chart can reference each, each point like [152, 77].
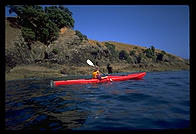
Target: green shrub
[135, 48]
[160, 57]
[129, 60]
[150, 52]
[123, 55]
[110, 46]
[55, 51]
[114, 54]
[81, 36]
[140, 57]
[163, 52]
[132, 52]
[153, 50]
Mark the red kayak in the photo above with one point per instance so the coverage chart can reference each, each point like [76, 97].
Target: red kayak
[108, 79]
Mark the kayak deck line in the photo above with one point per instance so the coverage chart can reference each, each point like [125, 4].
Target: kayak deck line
[110, 78]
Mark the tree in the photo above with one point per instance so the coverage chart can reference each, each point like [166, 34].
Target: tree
[28, 34]
[48, 33]
[153, 50]
[61, 16]
[42, 25]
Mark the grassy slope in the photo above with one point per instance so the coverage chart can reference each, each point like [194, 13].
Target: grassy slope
[130, 47]
[119, 46]
[122, 46]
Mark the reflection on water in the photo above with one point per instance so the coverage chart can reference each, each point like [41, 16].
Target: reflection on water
[34, 105]
[127, 91]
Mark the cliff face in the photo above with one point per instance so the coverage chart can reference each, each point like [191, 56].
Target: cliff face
[70, 50]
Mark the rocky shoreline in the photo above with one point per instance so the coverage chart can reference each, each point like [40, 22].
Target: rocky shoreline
[57, 71]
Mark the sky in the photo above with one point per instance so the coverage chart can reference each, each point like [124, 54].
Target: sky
[166, 27]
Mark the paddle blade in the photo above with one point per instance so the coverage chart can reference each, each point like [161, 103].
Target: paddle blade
[90, 63]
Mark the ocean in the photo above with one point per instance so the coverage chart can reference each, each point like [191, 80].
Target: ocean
[160, 101]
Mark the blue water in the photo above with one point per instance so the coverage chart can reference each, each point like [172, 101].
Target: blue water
[161, 100]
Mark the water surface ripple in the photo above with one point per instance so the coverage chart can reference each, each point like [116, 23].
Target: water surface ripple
[159, 101]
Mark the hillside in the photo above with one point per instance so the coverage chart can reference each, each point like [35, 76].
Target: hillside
[68, 54]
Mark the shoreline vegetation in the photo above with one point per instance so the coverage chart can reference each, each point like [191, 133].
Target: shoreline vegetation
[57, 50]
[56, 71]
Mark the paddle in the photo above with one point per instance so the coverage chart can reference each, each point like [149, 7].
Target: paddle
[91, 64]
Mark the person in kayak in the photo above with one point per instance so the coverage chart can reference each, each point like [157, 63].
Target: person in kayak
[96, 74]
[109, 68]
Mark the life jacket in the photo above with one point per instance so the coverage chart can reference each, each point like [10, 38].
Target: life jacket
[95, 73]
